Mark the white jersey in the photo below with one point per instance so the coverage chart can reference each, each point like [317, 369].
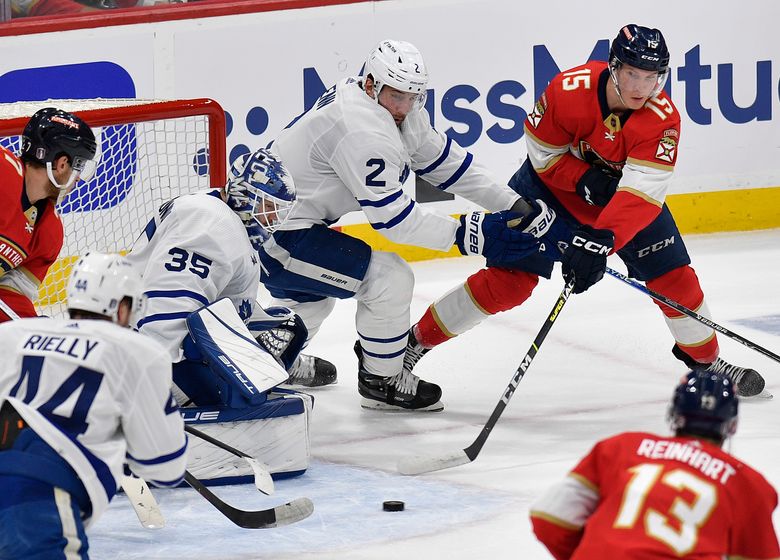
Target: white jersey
[346, 153]
[98, 394]
[193, 252]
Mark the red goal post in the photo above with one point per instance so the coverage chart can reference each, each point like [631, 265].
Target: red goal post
[150, 151]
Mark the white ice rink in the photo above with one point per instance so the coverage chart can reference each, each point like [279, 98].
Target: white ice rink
[605, 367]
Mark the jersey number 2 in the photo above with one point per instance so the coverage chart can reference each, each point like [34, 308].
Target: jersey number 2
[83, 378]
[691, 516]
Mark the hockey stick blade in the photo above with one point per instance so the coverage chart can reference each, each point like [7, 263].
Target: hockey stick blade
[277, 516]
[263, 480]
[419, 464]
[143, 502]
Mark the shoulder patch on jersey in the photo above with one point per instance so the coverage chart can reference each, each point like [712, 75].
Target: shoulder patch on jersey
[671, 132]
[535, 116]
[667, 149]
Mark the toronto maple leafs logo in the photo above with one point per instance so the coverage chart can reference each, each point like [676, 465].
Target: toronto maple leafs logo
[245, 309]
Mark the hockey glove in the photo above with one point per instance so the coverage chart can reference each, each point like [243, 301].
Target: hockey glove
[597, 186]
[586, 257]
[488, 234]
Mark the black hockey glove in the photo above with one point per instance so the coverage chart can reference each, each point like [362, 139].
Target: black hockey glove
[586, 256]
[489, 235]
[597, 186]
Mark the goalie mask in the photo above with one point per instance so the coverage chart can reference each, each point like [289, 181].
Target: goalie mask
[643, 48]
[260, 190]
[52, 133]
[400, 65]
[100, 281]
[704, 404]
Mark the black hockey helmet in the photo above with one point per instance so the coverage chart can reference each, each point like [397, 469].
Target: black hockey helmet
[52, 133]
[704, 404]
[640, 47]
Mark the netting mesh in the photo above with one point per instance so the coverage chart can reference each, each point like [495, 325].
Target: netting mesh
[141, 166]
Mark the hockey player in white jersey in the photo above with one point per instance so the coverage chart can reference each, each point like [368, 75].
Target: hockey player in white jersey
[196, 251]
[353, 150]
[80, 398]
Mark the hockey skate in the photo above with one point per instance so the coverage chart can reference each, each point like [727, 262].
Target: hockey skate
[310, 371]
[414, 351]
[403, 391]
[748, 381]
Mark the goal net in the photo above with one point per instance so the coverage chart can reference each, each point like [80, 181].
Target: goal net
[149, 152]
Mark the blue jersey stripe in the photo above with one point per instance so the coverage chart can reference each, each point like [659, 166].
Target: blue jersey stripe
[439, 160]
[458, 174]
[395, 221]
[384, 340]
[177, 293]
[163, 317]
[150, 228]
[384, 356]
[161, 458]
[382, 202]
[166, 483]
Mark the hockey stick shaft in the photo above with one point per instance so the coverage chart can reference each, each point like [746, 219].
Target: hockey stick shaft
[419, 465]
[263, 480]
[692, 314]
[285, 514]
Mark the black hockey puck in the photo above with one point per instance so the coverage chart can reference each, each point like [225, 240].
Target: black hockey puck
[393, 505]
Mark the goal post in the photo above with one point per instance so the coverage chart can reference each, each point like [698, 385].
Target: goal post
[149, 152]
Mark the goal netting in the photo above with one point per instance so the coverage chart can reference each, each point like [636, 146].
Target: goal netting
[150, 151]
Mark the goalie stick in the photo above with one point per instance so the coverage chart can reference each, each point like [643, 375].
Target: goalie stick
[136, 489]
[277, 516]
[263, 480]
[418, 464]
[692, 314]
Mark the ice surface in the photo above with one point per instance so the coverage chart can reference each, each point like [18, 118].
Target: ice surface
[605, 367]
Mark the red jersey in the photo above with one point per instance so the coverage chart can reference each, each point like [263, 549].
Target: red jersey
[644, 497]
[572, 128]
[30, 239]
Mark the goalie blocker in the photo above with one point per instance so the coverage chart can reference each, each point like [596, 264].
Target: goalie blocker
[228, 387]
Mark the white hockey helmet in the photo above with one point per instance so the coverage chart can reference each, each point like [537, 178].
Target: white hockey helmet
[400, 65]
[261, 189]
[99, 281]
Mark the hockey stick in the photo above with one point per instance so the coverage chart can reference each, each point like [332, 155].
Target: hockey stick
[692, 314]
[284, 514]
[419, 464]
[136, 489]
[143, 502]
[263, 480]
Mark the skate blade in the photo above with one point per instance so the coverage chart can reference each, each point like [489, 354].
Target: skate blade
[371, 404]
[764, 395]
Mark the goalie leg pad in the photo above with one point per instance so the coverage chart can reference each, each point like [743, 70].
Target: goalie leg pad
[246, 370]
[275, 433]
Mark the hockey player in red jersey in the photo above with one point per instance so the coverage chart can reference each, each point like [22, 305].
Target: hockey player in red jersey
[646, 497]
[602, 144]
[56, 147]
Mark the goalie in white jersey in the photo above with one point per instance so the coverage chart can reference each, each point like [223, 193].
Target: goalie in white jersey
[80, 398]
[353, 150]
[199, 249]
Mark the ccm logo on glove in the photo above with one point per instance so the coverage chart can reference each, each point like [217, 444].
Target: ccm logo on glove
[590, 246]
